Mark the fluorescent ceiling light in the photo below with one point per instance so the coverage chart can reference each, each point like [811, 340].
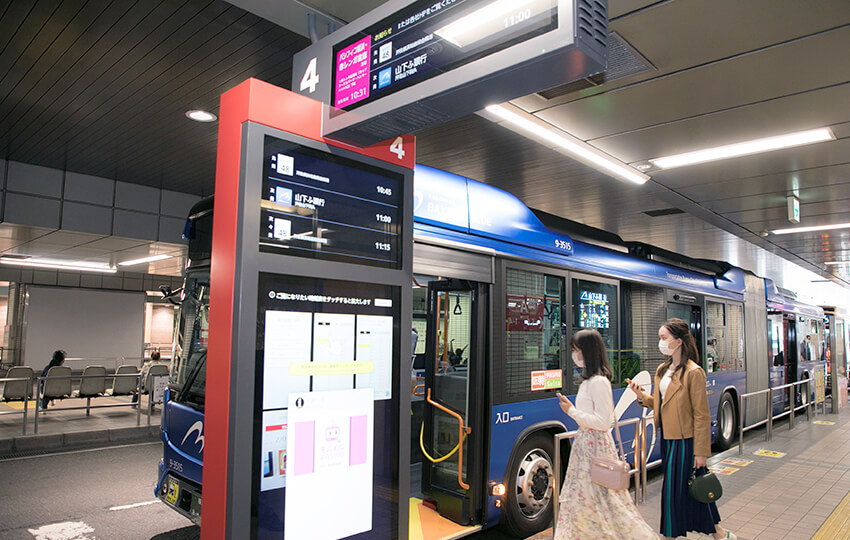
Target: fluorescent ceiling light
[811, 229]
[837, 262]
[144, 260]
[201, 116]
[58, 265]
[490, 20]
[745, 148]
[573, 146]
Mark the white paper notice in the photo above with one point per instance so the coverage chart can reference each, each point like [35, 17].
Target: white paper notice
[329, 447]
[273, 456]
[333, 341]
[287, 341]
[375, 344]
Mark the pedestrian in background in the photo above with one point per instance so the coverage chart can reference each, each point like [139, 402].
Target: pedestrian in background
[57, 360]
[680, 404]
[588, 510]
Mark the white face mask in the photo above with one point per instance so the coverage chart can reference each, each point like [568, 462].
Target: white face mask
[578, 360]
[665, 349]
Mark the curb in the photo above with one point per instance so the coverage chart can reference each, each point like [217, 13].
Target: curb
[29, 445]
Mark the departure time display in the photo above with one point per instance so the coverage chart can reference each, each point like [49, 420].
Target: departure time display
[428, 38]
[325, 206]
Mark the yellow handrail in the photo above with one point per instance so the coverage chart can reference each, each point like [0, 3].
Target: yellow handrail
[462, 432]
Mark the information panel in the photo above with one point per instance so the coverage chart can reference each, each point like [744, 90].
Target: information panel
[325, 351]
[323, 206]
[430, 37]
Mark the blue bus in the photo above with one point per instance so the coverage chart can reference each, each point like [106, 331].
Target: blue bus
[498, 290]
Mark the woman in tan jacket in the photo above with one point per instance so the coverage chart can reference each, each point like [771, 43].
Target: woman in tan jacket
[680, 404]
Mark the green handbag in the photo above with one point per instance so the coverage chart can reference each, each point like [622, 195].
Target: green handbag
[705, 488]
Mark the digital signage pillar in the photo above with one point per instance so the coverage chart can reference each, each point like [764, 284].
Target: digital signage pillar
[310, 313]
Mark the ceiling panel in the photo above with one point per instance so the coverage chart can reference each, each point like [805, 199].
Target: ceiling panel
[101, 87]
[743, 80]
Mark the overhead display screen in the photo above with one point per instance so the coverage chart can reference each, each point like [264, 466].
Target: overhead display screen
[320, 205]
[428, 38]
[325, 351]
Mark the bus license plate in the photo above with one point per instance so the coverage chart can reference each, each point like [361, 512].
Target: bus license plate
[171, 495]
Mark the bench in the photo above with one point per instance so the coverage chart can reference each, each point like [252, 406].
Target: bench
[17, 386]
[57, 385]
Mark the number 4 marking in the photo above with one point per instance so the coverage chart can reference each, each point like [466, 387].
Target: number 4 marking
[311, 77]
[397, 147]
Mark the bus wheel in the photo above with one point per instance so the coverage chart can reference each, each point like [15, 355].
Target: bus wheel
[727, 422]
[528, 507]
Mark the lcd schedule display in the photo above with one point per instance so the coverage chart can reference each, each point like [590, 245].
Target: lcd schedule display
[428, 38]
[325, 361]
[319, 205]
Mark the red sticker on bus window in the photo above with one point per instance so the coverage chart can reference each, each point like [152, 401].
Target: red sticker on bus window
[546, 380]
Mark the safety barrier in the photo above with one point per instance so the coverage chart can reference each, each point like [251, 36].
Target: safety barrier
[556, 484]
[42, 380]
[26, 384]
[807, 404]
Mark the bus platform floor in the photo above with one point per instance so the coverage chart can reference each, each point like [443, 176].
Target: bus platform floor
[793, 487]
[65, 425]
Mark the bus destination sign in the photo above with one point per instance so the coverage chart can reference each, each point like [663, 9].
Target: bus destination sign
[430, 37]
[324, 206]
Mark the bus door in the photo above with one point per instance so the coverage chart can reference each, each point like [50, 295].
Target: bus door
[789, 327]
[452, 432]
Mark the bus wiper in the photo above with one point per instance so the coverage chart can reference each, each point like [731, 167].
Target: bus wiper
[172, 297]
[190, 381]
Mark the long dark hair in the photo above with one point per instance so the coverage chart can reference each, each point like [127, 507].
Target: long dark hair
[679, 329]
[592, 348]
[58, 358]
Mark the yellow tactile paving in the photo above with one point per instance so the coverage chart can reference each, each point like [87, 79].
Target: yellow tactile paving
[426, 524]
[837, 525]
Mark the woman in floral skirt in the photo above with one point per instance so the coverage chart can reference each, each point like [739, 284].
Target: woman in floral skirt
[587, 510]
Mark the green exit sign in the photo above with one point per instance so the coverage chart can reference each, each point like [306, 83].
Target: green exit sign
[793, 209]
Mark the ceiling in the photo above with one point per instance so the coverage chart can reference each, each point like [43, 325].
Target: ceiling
[100, 87]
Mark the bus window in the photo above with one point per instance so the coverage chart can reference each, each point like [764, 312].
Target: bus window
[188, 378]
[533, 313]
[594, 305]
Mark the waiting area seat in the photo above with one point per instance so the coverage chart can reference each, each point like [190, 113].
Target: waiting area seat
[57, 384]
[93, 382]
[18, 390]
[123, 384]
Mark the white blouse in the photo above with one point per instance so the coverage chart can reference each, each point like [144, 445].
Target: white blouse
[665, 382]
[594, 407]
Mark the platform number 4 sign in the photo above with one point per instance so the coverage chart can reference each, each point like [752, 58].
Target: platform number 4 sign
[397, 147]
[311, 77]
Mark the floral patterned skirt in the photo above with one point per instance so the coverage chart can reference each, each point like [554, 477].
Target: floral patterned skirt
[588, 511]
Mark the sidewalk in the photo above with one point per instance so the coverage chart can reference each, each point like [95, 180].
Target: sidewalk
[798, 495]
[63, 429]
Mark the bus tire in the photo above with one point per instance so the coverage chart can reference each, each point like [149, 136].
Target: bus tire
[727, 422]
[528, 499]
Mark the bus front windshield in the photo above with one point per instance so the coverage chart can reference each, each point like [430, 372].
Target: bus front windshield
[188, 378]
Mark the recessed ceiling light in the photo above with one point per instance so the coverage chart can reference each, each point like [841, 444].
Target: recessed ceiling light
[59, 265]
[812, 229]
[745, 148]
[201, 116]
[144, 260]
[574, 147]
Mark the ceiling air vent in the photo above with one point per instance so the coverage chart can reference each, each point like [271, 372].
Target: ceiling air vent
[623, 61]
[664, 212]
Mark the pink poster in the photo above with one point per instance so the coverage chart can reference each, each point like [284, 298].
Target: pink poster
[352, 73]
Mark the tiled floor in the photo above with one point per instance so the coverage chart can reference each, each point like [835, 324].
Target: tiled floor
[786, 498]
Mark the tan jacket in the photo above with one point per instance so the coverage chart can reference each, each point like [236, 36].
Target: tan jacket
[684, 409]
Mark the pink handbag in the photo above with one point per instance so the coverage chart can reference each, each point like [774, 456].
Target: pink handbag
[611, 472]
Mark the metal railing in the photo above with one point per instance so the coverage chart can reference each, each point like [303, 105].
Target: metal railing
[27, 395]
[88, 406]
[556, 484]
[807, 404]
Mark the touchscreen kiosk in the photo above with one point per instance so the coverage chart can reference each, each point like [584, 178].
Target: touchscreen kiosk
[310, 337]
